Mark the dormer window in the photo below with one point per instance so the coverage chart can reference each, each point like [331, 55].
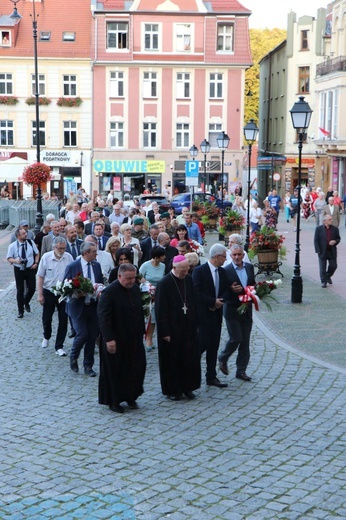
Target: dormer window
[44, 36]
[5, 39]
[68, 36]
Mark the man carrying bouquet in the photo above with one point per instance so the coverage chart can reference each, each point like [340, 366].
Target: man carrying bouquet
[239, 275]
[82, 309]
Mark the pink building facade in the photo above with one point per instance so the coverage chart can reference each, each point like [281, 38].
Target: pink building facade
[167, 75]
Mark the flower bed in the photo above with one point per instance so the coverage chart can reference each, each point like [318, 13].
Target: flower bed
[69, 102]
[8, 100]
[41, 100]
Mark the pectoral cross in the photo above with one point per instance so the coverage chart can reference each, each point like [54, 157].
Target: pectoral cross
[184, 308]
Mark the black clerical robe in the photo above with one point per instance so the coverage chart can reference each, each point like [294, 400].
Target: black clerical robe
[121, 319]
[179, 359]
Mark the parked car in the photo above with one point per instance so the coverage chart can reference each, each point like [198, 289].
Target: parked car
[178, 202]
[162, 201]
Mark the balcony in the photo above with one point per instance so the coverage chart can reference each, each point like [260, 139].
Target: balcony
[329, 66]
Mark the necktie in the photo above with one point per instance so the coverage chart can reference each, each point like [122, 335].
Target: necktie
[217, 283]
[23, 252]
[89, 270]
[100, 244]
[155, 243]
[74, 251]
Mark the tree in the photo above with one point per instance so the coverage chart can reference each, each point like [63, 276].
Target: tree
[262, 41]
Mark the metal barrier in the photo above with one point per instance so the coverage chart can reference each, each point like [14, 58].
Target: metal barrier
[19, 210]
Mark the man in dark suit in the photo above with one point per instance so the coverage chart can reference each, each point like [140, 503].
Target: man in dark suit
[239, 275]
[83, 310]
[89, 227]
[148, 243]
[170, 251]
[326, 239]
[101, 238]
[72, 242]
[210, 285]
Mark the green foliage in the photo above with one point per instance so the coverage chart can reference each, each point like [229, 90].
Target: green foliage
[262, 41]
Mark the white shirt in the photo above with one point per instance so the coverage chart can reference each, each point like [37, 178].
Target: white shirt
[15, 251]
[85, 269]
[105, 260]
[52, 269]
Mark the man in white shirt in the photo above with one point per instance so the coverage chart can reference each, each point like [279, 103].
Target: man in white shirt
[51, 270]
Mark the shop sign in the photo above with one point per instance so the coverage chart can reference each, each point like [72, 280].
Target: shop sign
[108, 166]
[57, 156]
[309, 162]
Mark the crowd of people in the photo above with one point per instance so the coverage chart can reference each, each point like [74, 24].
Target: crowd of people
[117, 253]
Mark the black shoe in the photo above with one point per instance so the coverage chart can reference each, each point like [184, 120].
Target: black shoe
[243, 376]
[72, 334]
[174, 397]
[190, 395]
[27, 307]
[20, 315]
[90, 372]
[216, 382]
[116, 408]
[329, 280]
[74, 365]
[223, 367]
[133, 405]
[324, 285]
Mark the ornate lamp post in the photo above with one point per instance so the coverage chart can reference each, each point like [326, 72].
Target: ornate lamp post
[222, 142]
[193, 152]
[16, 16]
[250, 134]
[205, 148]
[301, 116]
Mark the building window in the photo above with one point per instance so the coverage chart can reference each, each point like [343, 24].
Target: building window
[116, 84]
[68, 36]
[70, 133]
[70, 85]
[6, 133]
[42, 133]
[5, 38]
[183, 37]
[215, 86]
[44, 36]
[214, 130]
[41, 84]
[225, 37]
[304, 40]
[149, 135]
[304, 80]
[151, 36]
[183, 135]
[183, 85]
[6, 85]
[117, 35]
[117, 134]
[150, 84]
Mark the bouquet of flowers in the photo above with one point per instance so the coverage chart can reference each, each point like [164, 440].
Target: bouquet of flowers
[147, 297]
[76, 287]
[197, 248]
[256, 293]
[37, 173]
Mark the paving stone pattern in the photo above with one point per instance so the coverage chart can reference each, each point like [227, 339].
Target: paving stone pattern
[270, 449]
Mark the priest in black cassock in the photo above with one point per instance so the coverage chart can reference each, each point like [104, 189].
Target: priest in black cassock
[179, 354]
[122, 354]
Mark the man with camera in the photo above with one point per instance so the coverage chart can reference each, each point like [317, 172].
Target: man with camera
[24, 256]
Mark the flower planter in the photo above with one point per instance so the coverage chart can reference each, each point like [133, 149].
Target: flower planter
[269, 256]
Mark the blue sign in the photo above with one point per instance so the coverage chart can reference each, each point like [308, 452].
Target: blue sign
[191, 173]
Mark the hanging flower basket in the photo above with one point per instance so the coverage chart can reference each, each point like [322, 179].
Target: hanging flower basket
[266, 239]
[41, 100]
[8, 100]
[69, 102]
[37, 173]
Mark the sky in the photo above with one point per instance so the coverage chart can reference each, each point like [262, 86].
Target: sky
[273, 13]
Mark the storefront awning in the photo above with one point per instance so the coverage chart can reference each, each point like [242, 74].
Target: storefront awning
[12, 169]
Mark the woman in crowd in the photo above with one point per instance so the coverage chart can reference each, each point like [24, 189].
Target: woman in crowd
[112, 246]
[269, 215]
[132, 243]
[153, 271]
[122, 256]
[287, 205]
[255, 217]
[180, 234]
[307, 205]
[318, 207]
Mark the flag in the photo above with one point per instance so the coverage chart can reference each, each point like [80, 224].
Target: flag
[324, 132]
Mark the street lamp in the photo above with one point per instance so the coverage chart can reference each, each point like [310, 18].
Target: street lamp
[16, 16]
[205, 148]
[250, 134]
[193, 152]
[301, 116]
[222, 142]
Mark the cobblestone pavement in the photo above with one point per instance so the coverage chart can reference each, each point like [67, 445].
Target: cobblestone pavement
[270, 449]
